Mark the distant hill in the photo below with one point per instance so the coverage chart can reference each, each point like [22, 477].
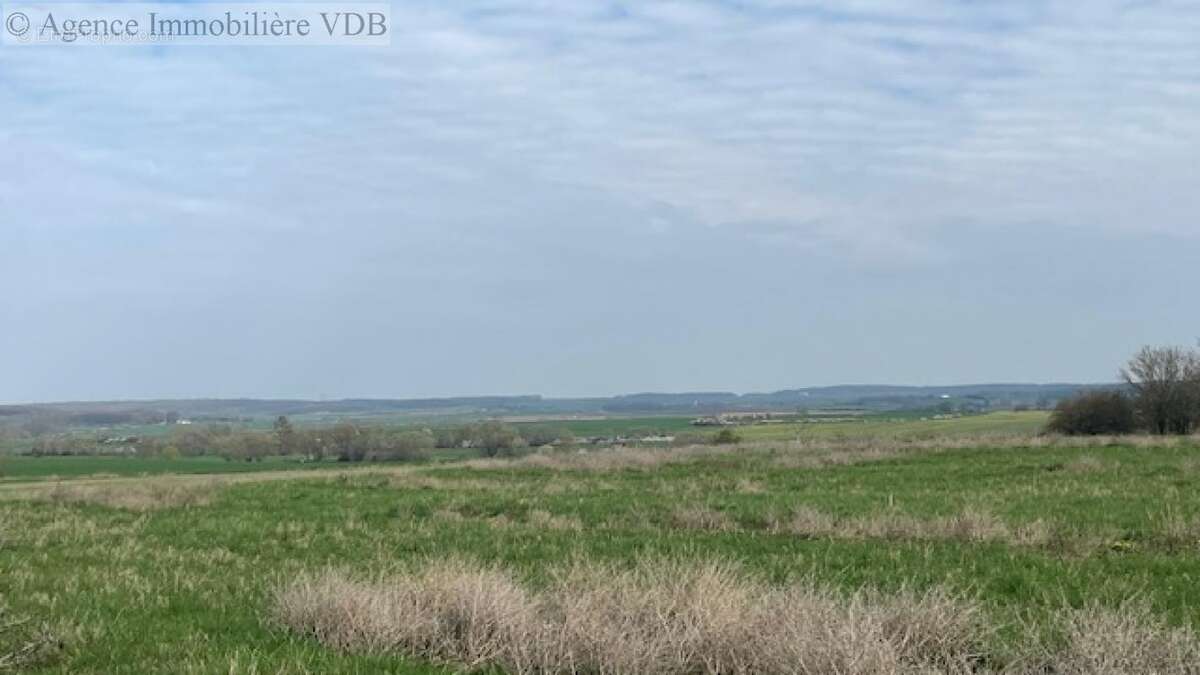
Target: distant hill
[976, 397]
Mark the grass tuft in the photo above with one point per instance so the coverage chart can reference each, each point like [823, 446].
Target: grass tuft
[659, 617]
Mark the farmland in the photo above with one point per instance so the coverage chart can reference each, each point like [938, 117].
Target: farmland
[180, 573]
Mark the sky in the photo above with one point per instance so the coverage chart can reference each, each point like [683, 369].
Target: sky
[568, 197]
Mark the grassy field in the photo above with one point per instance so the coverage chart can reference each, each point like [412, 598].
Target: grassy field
[179, 574]
[874, 425]
[905, 427]
[24, 468]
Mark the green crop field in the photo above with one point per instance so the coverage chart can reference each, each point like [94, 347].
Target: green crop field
[25, 468]
[906, 426]
[178, 574]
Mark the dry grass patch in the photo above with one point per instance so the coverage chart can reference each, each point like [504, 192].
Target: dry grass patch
[1177, 530]
[702, 518]
[1129, 639]
[134, 496]
[657, 618]
[709, 618]
[971, 525]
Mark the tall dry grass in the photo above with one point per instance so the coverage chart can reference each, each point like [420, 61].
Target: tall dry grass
[675, 618]
[1130, 639]
[147, 495]
[970, 525]
[657, 618]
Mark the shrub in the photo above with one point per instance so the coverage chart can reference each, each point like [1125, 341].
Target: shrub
[493, 438]
[726, 437]
[1094, 413]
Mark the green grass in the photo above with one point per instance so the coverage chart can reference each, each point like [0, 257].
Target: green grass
[887, 425]
[23, 468]
[187, 589]
[902, 426]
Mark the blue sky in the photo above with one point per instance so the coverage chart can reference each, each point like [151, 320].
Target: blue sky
[577, 197]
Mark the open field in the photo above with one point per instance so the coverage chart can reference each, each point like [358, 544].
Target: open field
[23, 468]
[902, 426]
[180, 574]
[906, 425]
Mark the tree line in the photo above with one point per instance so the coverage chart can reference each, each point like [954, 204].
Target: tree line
[343, 442]
[1161, 395]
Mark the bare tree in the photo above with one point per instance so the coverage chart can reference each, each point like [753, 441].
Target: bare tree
[1166, 386]
[285, 435]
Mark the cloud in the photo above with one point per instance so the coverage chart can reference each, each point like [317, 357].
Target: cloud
[503, 144]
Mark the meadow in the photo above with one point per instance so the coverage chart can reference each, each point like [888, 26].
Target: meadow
[1001, 554]
[903, 425]
[25, 468]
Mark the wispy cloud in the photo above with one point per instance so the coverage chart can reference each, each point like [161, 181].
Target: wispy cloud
[514, 142]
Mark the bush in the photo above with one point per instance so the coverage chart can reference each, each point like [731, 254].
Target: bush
[726, 437]
[493, 439]
[1094, 413]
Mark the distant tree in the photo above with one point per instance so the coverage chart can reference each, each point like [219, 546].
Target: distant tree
[196, 440]
[494, 438]
[348, 442]
[1094, 413]
[726, 436]
[245, 446]
[1166, 386]
[311, 444]
[285, 435]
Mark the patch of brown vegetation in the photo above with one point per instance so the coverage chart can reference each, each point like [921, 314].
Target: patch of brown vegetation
[1129, 639]
[658, 618]
[147, 495]
[702, 518]
[971, 525]
[1179, 531]
[676, 618]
